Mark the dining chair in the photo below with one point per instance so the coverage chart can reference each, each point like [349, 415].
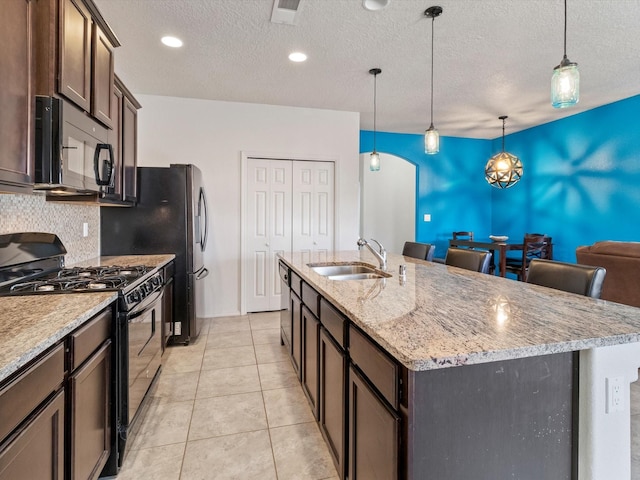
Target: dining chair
[534, 246]
[423, 251]
[462, 235]
[475, 260]
[570, 277]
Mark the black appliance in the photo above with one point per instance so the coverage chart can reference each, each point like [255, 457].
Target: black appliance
[33, 264]
[169, 217]
[73, 153]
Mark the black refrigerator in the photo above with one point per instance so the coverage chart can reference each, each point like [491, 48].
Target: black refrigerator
[170, 217]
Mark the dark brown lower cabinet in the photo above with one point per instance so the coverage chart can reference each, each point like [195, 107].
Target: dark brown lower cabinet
[90, 421]
[37, 450]
[333, 364]
[374, 431]
[296, 333]
[310, 366]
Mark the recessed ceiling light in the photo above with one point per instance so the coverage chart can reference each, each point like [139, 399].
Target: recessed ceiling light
[172, 42]
[374, 5]
[297, 57]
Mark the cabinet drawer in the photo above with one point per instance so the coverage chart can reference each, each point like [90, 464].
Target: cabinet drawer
[25, 393]
[296, 284]
[380, 369]
[88, 338]
[333, 321]
[310, 298]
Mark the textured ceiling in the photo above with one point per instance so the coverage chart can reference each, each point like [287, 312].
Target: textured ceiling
[492, 57]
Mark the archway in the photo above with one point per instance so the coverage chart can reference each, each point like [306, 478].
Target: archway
[388, 201]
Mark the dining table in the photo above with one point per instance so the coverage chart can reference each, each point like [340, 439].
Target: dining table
[502, 247]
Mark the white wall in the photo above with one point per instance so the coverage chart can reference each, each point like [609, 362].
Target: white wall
[389, 201]
[213, 135]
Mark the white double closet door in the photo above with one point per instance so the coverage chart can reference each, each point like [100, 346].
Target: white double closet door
[289, 208]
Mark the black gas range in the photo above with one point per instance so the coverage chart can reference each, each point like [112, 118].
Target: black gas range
[33, 264]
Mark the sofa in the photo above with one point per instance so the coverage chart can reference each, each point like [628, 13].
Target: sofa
[622, 262]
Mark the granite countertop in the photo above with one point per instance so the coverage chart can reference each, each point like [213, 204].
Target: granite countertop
[443, 316]
[33, 323]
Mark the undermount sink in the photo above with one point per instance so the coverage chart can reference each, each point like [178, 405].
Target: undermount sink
[348, 271]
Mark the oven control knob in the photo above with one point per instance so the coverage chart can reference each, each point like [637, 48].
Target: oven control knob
[134, 296]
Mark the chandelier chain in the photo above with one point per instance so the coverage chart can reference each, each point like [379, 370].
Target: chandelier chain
[375, 90]
[565, 28]
[433, 21]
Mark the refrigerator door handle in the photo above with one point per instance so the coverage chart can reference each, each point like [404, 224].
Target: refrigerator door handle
[202, 273]
[203, 217]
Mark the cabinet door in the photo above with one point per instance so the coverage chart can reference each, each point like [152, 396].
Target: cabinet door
[310, 364]
[114, 192]
[373, 433]
[102, 86]
[90, 420]
[333, 407]
[296, 333]
[37, 451]
[75, 53]
[16, 99]
[129, 149]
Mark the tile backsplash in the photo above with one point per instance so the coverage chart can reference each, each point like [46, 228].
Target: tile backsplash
[32, 213]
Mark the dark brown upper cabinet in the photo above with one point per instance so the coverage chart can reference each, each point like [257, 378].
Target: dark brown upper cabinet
[16, 97]
[123, 138]
[74, 55]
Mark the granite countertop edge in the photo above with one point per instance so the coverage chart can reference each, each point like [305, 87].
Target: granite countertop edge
[465, 350]
[25, 339]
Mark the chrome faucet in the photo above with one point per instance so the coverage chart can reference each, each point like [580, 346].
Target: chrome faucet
[381, 255]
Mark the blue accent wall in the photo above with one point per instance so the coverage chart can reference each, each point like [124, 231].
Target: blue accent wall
[581, 181]
[449, 185]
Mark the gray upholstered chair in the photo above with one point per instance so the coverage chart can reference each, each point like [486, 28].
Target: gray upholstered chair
[423, 251]
[476, 260]
[570, 277]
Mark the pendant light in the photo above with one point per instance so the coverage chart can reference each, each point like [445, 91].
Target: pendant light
[565, 81]
[503, 170]
[374, 162]
[431, 136]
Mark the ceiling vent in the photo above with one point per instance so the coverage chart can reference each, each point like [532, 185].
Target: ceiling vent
[285, 11]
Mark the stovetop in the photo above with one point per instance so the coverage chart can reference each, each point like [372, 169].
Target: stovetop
[81, 279]
[32, 263]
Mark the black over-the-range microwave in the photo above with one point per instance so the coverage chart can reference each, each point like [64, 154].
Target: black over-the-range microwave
[72, 150]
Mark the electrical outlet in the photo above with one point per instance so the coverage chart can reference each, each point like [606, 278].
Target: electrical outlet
[427, 217]
[85, 229]
[615, 394]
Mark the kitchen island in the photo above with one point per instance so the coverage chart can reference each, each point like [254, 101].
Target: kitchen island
[495, 378]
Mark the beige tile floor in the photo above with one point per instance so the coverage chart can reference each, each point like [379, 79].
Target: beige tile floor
[229, 406]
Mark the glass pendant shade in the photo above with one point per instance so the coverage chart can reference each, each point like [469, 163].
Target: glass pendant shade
[431, 141]
[565, 84]
[565, 81]
[503, 170]
[374, 162]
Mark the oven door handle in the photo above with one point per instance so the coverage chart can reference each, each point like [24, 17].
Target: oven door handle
[150, 301]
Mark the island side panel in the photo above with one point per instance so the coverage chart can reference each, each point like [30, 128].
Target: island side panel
[508, 419]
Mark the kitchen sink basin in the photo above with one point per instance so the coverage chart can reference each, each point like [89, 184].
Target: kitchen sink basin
[348, 271]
